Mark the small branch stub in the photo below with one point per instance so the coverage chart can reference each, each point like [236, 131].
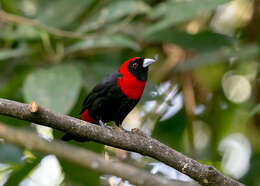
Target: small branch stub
[33, 107]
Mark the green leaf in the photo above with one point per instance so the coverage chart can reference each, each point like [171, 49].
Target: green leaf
[56, 88]
[173, 12]
[21, 171]
[113, 12]
[60, 13]
[108, 41]
[10, 153]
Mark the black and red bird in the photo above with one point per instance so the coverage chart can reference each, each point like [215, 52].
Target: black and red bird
[117, 94]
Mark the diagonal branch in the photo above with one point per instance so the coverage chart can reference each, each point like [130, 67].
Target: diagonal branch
[85, 158]
[205, 175]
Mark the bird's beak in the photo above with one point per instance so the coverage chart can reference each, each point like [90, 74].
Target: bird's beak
[148, 62]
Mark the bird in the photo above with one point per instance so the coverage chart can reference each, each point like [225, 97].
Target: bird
[116, 95]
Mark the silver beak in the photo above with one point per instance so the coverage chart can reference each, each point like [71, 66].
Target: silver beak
[148, 62]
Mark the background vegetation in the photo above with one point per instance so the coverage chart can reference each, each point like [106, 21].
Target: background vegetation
[202, 97]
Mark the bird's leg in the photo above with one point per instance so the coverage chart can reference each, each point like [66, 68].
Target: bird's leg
[102, 124]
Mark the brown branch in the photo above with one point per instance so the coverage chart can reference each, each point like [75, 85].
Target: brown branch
[84, 158]
[205, 175]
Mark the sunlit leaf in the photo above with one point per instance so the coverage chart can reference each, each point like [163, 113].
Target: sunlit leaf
[56, 88]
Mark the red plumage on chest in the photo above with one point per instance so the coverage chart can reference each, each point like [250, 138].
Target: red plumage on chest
[129, 84]
[131, 87]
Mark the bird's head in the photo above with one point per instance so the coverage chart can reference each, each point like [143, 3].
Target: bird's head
[137, 67]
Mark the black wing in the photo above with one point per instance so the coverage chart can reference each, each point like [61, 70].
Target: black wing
[100, 89]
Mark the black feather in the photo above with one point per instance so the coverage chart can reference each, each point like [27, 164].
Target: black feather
[106, 102]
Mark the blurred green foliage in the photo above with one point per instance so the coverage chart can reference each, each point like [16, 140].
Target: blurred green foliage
[59, 88]
[54, 52]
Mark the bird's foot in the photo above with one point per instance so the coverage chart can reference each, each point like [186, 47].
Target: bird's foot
[102, 124]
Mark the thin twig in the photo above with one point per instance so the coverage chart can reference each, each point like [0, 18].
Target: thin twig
[205, 175]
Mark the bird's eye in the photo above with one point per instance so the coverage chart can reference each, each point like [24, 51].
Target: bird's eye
[135, 65]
